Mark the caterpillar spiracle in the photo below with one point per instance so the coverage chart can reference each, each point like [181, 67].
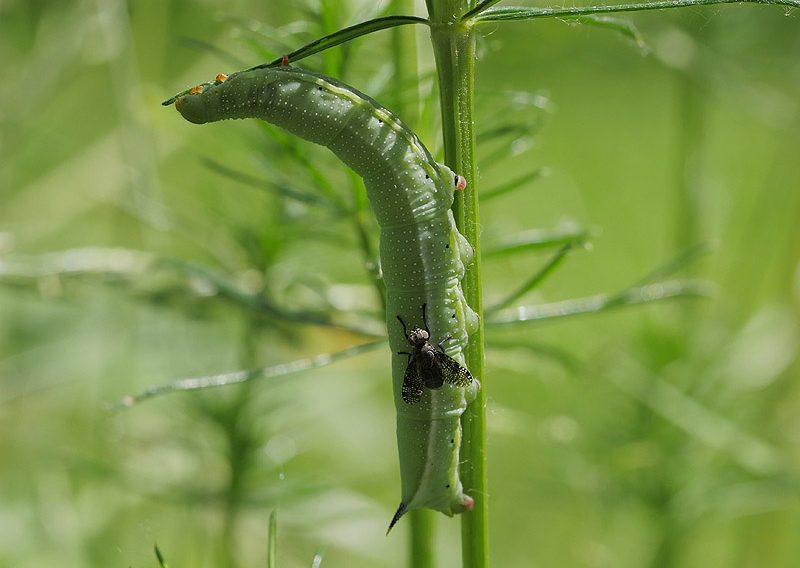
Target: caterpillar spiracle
[423, 256]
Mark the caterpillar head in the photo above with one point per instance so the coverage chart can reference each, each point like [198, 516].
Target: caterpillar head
[193, 105]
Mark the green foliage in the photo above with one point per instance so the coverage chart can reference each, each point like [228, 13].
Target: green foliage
[135, 249]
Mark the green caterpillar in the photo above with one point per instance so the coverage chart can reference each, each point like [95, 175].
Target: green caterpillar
[423, 255]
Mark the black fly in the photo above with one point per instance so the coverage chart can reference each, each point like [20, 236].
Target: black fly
[428, 365]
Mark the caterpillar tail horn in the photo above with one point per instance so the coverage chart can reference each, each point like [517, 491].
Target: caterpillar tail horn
[401, 510]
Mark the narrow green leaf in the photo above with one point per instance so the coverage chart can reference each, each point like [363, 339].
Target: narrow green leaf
[525, 13]
[601, 302]
[680, 261]
[626, 28]
[326, 42]
[538, 277]
[538, 239]
[161, 562]
[224, 286]
[272, 543]
[130, 266]
[344, 35]
[236, 377]
[203, 45]
[298, 152]
[512, 130]
[514, 184]
[717, 431]
[262, 184]
[552, 352]
[480, 7]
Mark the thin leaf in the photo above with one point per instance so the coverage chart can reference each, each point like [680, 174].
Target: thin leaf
[690, 415]
[675, 264]
[128, 266]
[224, 287]
[203, 45]
[526, 13]
[272, 543]
[516, 130]
[298, 152]
[601, 302]
[344, 35]
[87, 261]
[237, 377]
[263, 184]
[161, 562]
[538, 239]
[480, 7]
[560, 356]
[325, 42]
[538, 277]
[626, 28]
[517, 183]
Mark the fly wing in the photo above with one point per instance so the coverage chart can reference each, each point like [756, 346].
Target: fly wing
[453, 372]
[412, 382]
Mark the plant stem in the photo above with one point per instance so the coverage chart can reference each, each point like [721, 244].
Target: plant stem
[454, 50]
[404, 62]
[405, 102]
[423, 539]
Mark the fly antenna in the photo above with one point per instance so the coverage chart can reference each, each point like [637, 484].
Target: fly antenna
[405, 330]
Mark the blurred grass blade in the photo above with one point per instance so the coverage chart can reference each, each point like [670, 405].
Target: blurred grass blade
[538, 277]
[512, 130]
[344, 35]
[601, 302]
[510, 186]
[298, 151]
[272, 543]
[525, 13]
[262, 184]
[224, 286]
[87, 261]
[268, 41]
[551, 352]
[236, 377]
[711, 428]
[316, 562]
[680, 261]
[203, 45]
[624, 27]
[130, 267]
[538, 239]
[161, 562]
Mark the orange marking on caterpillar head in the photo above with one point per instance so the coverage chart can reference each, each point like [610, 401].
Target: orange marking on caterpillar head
[461, 183]
[221, 78]
[196, 90]
[285, 61]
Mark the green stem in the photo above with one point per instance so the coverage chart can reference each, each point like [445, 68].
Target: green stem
[240, 445]
[423, 539]
[454, 50]
[404, 61]
[405, 102]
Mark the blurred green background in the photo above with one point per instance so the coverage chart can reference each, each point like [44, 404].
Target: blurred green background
[659, 435]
